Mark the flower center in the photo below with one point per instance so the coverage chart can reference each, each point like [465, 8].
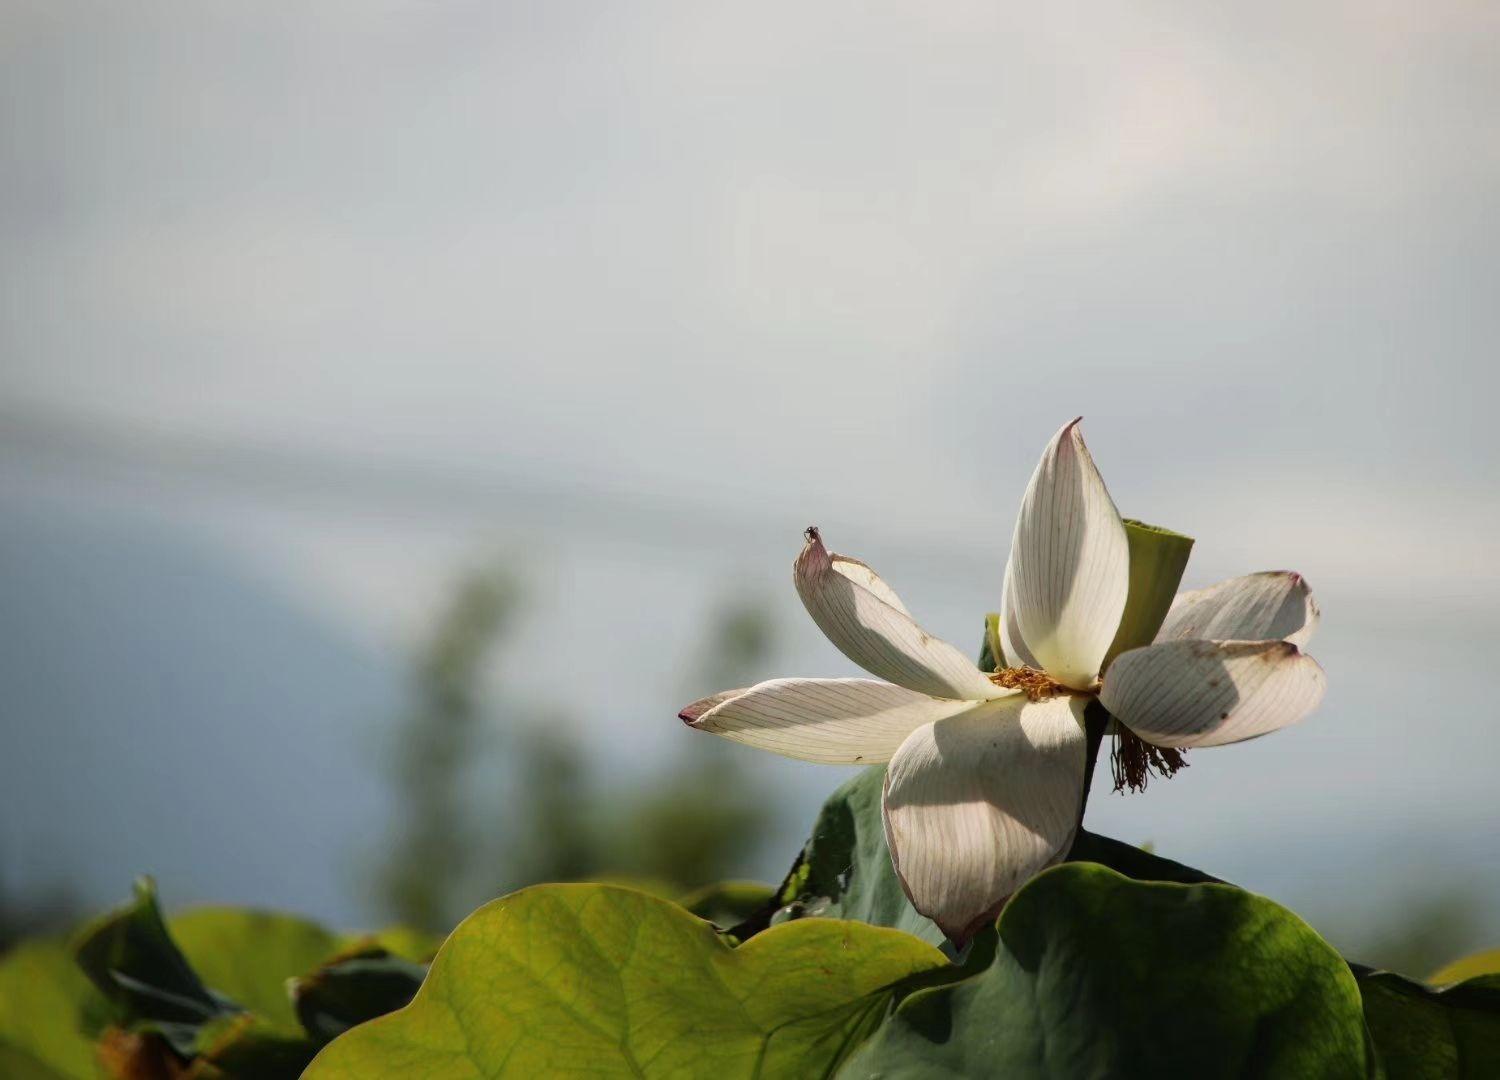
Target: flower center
[1037, 685]
[1132, 760]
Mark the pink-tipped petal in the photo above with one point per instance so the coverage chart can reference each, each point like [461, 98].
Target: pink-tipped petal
[1069, 563]
[691, 714]
[977, 803]
[1256, 607]
[849, 604]
[833, 721]
[1208, 693]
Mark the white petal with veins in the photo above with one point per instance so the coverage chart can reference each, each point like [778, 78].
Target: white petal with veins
[879, 636]
[861, 574]
[834, 721]
[977, 803]
[1207, 693]
[1011, 642]
[1069, 563]
[1256, 607]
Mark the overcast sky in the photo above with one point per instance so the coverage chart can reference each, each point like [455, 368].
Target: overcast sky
[728, 269]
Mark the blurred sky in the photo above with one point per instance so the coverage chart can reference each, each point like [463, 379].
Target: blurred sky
[304, 307]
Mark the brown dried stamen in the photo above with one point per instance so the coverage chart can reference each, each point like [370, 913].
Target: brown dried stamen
[1132, 760]
[1037, 685]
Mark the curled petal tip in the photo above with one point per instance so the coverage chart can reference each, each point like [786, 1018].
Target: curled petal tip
[692, 715]
[814, 558]
[1070, 430]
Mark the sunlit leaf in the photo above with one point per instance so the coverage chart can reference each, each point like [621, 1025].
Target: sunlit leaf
[1483, 963]
[1099, 975]
[591, 980]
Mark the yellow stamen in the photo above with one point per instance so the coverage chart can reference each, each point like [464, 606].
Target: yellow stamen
[1037, 685]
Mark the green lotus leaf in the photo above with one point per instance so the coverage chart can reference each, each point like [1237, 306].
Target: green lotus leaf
[1134, 862]
[593, 980]
[215, 985]
[249, 955]
[845, 869]
[1426, 1034]
[1099, 975]
[48, 1010]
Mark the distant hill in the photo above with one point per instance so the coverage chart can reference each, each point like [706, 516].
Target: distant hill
[165, 712]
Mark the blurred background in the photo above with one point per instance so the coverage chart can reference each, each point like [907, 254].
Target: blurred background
[406, 407]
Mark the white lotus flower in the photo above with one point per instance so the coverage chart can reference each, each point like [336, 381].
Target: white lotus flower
[986, 771]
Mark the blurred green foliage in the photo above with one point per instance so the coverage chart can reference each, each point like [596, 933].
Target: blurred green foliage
[436, 836]
[213, 993]
[494, 794]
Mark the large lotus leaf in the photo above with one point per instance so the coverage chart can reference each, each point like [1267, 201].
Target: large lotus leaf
[592, 980]
[46, 1004]
[1099, 975]
[1426, 1034]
